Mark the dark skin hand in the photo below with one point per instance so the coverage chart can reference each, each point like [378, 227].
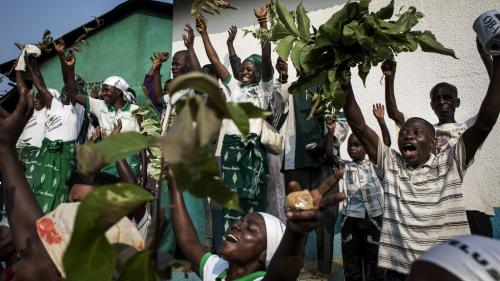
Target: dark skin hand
[282, 69]
[235, 67]
[59, 47]
[189, 42]
[157, 61]
[244, 247]
[267, 65]
[378, 112]
[389, 70]
[68, 68]
[38, 81]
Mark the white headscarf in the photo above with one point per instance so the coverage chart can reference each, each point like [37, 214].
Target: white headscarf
[275, 229]
[120, 84]
[55, 93]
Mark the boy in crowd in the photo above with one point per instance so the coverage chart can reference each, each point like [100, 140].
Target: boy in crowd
[423, 194]
[444, 102]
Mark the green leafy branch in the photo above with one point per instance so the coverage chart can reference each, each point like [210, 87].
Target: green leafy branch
[209, 6]
[353, 36]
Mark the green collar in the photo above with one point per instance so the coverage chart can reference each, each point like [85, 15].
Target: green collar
[125, 107]
[249, 277]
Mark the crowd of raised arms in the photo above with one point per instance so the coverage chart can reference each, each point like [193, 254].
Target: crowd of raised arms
[407, 212]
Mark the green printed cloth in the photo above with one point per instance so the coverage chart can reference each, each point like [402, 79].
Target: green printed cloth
[244, 171]
[56, 164]
[28, 158]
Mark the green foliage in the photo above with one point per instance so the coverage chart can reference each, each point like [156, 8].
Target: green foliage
[92, 157]
[353, 36]
[209, 6]
[89, 256]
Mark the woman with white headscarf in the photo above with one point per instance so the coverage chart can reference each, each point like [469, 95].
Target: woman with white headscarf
[56, 158]
[117, 105]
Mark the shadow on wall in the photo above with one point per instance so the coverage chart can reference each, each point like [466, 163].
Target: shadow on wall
[221, 23]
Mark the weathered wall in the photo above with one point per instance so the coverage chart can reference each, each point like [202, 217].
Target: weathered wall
[451, 22]
[122, 49]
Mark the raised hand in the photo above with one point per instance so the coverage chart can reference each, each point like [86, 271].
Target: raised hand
[378, 111]
[330, 125]
[188, 37]
[159, 58]
[303, 221]
[201, 24]
[59, 46]
[389, 68]
[232, 34]
[70, 60]
[282, 67]
[12, 125]
[261, 13]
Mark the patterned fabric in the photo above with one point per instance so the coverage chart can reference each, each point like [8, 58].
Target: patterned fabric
[245, 171]
[55, 230]
[363, 190]
[423, 206]
[56, 163]
[33, 132]
[213, 267]
[29, 160]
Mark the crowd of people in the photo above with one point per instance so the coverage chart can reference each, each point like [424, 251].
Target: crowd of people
[406, 213]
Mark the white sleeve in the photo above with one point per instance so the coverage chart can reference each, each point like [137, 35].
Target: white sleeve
[95, 105]
[56, 104]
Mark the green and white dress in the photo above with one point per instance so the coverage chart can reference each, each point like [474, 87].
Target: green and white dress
[108, 116]
[56, 157]
[244, 161]
[213, 267]
[30, 141]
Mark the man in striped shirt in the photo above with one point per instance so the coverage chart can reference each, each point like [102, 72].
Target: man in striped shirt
[423, 196]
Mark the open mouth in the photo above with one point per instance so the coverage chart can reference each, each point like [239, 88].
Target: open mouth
[231, 238]
[409, 150]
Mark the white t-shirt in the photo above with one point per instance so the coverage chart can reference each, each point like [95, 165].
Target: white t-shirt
[33, 132]
[169, 107]
[473, 187]
[108, 116]
[259, 95]
[213, 267]
[63, 121]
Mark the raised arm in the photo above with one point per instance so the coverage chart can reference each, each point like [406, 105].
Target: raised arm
[38, 81]
[487, 61]
[189, 42]
[158, 59]
[389, 70]
[378, 112]
[59, 47]
[358, 125]
[234, 60]
[185, 233]
[22, 208]
[287, 261]
[267, 64]
[474, 136]
[68, 67]
[21, 84]
[220, 69]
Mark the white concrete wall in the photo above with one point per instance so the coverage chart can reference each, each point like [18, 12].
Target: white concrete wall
[451, 22]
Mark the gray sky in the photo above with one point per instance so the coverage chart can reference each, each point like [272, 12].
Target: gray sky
[24, 21]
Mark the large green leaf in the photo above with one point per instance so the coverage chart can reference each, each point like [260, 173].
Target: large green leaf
[428, 43]
[89, 256]
[286, 18]
[253, 111]
[200, 82]
[239, 117]
[279, 31]
[92, 157]
[386, 12]
[284, 46]
[207, 123]
[295, 54]
[139, 267]
[303, 22]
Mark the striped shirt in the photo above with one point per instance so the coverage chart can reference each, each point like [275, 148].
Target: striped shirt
[423, 206]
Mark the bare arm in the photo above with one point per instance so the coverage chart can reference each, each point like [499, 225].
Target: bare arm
[22, 208]
[158, 59]
[189, 42]
[38, 80]
[378, 112]
[184, 230]
[59, 48]
[474, 136]
[389, 70]
[233, 57]
[267, 64]
[358, 125]
[220, 69]
[69, 68]
[287, 261]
